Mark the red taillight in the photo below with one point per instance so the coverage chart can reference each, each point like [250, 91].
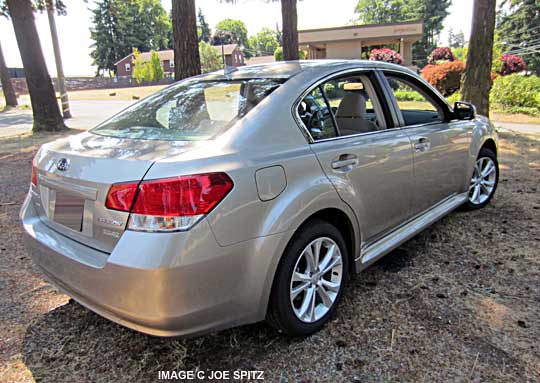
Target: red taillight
[34, 172]
[121, 196]
[182, 196]
[171, 197]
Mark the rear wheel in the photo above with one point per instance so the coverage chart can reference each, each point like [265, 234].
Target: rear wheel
[310, 279]
[484, 180]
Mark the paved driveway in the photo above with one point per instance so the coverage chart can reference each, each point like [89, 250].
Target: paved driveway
[86, 115]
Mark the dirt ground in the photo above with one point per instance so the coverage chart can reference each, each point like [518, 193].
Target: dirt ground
[459, 302]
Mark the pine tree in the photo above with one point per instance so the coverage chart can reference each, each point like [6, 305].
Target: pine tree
[519, 31]
[205, 31]
[120, 26]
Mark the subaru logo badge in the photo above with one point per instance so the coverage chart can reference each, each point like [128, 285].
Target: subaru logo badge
[62, 164]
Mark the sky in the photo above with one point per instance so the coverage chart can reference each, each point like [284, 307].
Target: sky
[75, 41]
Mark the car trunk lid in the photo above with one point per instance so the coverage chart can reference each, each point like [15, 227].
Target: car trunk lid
[74, 176]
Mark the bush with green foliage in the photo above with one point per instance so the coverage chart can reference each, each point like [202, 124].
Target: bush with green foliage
[454, 98]
[210, 58]
[446, 77]
[278, 54]
[155, 65]
[517, 93]
[407, 95]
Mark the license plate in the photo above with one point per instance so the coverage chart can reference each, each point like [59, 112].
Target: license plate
[69, 210]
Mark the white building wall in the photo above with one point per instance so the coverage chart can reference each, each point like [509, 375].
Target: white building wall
[344, 50]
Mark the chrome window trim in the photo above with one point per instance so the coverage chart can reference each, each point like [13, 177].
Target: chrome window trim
[304, 130]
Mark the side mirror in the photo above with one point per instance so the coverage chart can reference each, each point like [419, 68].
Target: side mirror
[464, 110]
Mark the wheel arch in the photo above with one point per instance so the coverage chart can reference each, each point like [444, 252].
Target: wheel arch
[489, 144]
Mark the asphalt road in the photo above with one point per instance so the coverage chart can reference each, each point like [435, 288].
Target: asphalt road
[86, 115]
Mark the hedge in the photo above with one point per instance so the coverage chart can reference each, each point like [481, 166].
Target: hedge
[446, 77]
[517, 93]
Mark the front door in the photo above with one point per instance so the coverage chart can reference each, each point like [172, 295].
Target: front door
[370, 166]
[440, 146]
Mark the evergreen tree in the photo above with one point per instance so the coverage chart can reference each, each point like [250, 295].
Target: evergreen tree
[519, 31]
[120, 26]
[456, 40]
[205, 33]
[109, 32]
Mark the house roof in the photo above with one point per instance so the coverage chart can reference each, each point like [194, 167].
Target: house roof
[227, 48]
[260, 60]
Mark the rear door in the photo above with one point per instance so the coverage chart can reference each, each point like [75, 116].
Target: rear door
[440, 145]
[369, 164]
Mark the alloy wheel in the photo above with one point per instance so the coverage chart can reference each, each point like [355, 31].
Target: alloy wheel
[316, 279]
[483, 181]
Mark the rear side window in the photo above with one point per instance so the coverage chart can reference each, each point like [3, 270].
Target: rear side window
[193, 110]
[417, 106]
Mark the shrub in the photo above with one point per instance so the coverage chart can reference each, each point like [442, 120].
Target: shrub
[454, 98]
[446, 77]
[278, 54]
[512, 64]
[387, 55]
[441, 54]
[404, 95]
[517, 92]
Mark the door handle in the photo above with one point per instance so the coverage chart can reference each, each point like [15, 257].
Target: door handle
[422, 145]
[344, 161]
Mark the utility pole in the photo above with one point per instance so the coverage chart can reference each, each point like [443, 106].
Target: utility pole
[58, 60]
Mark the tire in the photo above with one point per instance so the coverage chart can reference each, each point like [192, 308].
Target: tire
[284, 311]
[487, 185]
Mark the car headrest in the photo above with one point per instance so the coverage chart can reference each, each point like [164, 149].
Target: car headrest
[352, 105]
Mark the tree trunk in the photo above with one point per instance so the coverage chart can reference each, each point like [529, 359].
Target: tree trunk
[187, 61]
[477, 77]
[44, 106]
[290, 30]
[7, 86]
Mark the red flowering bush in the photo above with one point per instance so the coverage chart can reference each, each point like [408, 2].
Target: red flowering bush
[387, 55]
[512, 64]
[446, 77]
[440, 54]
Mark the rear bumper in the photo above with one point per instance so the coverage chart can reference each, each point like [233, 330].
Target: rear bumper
[164, 284]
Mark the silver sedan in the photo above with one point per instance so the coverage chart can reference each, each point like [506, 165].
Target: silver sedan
[230, 198]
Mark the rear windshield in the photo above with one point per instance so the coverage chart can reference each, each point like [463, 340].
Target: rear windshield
[189, 111]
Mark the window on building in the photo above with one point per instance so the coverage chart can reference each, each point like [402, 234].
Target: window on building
[127, 67]
[171, 63]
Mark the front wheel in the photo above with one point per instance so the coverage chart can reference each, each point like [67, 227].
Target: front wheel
[310, 280]
[484, 180]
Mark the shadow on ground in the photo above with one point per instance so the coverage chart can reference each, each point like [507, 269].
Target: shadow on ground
[459, 302]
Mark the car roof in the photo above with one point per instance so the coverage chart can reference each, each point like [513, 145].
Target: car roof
[288, 69]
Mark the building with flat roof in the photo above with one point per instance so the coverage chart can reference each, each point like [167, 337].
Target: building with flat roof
[350, 42]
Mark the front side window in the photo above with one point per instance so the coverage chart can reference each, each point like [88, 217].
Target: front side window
[192, 110]
[416, 105]
[316, 115]
[127, 67]
[343, 106]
